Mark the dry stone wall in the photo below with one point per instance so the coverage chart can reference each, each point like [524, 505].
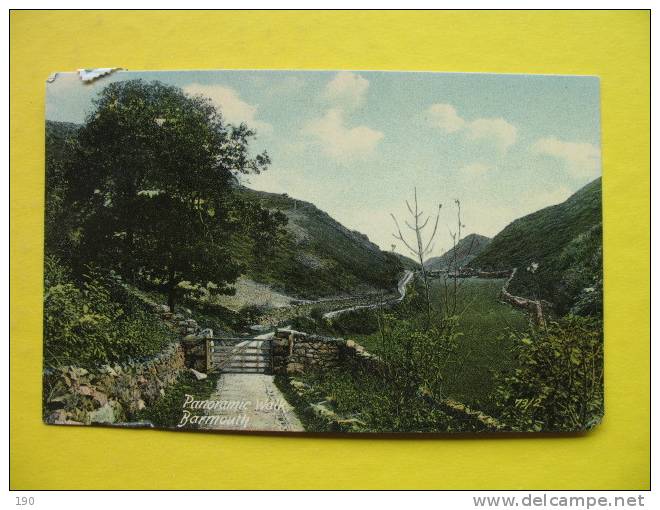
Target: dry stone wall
[114, 393]
[296, 352]
[535, 309]
[110, 393]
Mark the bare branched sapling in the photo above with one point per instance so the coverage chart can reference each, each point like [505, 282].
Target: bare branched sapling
[420, 247]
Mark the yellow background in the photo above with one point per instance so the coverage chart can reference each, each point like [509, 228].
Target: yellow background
[612, 45]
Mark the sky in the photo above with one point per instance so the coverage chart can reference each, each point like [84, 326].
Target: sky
[357, 144]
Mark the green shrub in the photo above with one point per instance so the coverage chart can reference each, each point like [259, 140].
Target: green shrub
[360, 322]
[306, 324]
[317, 313]
[96, 320]
[250, 314]
[557, 382]
[402, 391]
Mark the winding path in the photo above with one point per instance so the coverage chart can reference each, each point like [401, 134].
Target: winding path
[403, 283]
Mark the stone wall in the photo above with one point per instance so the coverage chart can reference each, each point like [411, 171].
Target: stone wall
[535, 309]
[115, 393]
[110, 393]
[295, 352]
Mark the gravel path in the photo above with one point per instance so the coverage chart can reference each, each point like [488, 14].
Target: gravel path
[403, 283]
[252, 402]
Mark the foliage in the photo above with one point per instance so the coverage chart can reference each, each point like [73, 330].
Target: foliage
[356, 322]
[415, 359]
[378, 404]
[307, 324]
[315, 256]
[251, 313]
[151, 178]
[59, 222]
[482, 334]
[96, 320]
[581, 267]
[557, 382]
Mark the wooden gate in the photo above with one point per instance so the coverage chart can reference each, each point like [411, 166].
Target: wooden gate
[241, 355]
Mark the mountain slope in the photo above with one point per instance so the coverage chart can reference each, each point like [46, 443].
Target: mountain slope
[564, 240]
[464, 251]
[317, 256]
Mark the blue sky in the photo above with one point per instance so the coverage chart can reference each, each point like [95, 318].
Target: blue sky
[357, 143]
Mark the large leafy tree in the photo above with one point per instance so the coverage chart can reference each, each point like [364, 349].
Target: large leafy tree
[151, 178]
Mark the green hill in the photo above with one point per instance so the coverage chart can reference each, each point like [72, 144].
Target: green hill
[464, 251]
[565, 240]
[317, 256]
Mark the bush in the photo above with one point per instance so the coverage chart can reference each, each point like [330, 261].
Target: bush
[360, 322]
[306, 324]
[557, 384]
[403, 391]
[250, 314]
[96, 320]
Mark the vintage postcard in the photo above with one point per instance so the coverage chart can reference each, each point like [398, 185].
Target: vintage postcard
[327, 251]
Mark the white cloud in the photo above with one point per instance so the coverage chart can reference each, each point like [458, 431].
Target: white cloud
[444, 117]
[233, 108]
[580, 158]
[346, 89]
[340, 141]
[498, 132]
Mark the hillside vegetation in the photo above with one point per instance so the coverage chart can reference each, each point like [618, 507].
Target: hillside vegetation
[464, 251]
[316, 256]
[565, 241]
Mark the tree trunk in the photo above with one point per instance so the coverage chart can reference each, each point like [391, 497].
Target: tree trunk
[171, 290]
[171, 297]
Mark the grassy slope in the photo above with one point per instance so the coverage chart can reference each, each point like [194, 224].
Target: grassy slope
[484, 344]
[466, 249]
[318, 256]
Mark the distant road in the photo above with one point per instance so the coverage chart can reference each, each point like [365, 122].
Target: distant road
[403, 284]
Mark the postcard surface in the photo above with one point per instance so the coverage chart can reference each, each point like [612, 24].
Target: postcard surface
[336, 251]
